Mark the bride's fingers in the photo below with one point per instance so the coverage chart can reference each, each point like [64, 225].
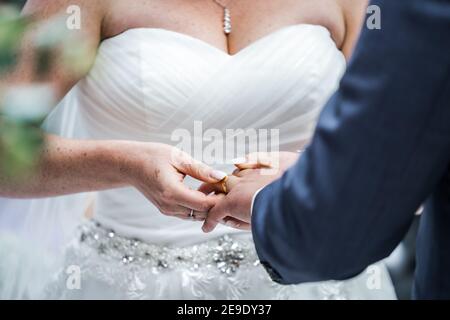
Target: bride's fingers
[180, 212]
[189, 198]
[196, 217]
[196, 169]
[216, 214]
[182, 217]
[221, 187]
[200, 216]
[208, 188]
[188, 214]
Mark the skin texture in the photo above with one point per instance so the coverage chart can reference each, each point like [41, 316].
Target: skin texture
[252, 174]
[251, 19]
[70, 166]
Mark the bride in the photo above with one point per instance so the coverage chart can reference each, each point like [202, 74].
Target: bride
[162, 66]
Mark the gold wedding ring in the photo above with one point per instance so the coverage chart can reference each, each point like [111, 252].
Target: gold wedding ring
[223, 183]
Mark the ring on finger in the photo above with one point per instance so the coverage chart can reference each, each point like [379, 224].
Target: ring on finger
[223, 184]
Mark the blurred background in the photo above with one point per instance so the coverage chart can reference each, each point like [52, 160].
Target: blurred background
[24, 106]
[21, 138]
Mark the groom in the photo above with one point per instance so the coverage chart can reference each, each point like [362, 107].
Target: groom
[381, 149]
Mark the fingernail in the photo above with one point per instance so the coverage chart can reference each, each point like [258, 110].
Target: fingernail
[205, 229]
[218, 175]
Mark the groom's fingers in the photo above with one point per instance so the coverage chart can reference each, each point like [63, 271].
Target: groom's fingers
[236, 224]
[231, 182]
[254, 161]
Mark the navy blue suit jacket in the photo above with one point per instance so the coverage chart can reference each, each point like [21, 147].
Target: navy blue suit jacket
[380, 150]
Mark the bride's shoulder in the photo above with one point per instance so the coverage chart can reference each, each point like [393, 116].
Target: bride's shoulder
[87, 31]
[91, 11]
[90, 15]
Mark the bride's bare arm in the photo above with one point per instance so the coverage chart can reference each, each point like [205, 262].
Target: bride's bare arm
[157, 170]
[71, 166]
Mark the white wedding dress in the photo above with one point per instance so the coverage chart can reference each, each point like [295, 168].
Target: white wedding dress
[145, 85]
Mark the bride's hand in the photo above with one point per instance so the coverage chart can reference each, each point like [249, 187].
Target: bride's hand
[158, 171]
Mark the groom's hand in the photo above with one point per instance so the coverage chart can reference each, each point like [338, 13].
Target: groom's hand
[273, 160]
[234, 208]
[253, 173]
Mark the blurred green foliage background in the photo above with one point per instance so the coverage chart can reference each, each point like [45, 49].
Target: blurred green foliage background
[21, 139]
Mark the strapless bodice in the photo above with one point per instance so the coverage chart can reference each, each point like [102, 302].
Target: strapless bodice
[152, 84]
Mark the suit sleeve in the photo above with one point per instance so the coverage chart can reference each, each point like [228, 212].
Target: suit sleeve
[381, 146]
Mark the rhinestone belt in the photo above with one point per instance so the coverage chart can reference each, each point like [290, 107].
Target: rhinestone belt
[225, 253]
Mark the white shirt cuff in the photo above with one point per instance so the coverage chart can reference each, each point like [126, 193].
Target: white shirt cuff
[253, 200]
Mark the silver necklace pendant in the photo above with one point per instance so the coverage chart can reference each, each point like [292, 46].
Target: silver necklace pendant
[226, 21]
[226, 17]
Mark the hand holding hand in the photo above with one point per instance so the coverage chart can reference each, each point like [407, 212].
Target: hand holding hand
[252, 174]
